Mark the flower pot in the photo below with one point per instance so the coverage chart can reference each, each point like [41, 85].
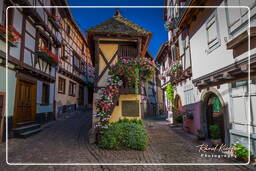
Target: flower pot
[216, 142]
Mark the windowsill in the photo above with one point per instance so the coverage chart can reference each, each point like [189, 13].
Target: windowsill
[240, 38]
[61, 92]
[45, 104]
[213, 48]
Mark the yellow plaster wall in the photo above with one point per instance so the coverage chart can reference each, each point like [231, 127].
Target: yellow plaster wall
[117, 113]
[65, 99]
[108, 50]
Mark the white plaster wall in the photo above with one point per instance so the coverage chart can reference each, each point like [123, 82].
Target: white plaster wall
[204, 62]
[17, 23]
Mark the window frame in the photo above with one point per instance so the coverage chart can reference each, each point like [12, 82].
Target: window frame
[60, 85]
[72, 89]
[243, 22]
[217, 44]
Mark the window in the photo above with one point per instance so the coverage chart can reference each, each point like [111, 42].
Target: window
[62, 85]
[189, 94]
[72, 88]
[237, 16]
[212, 30]
[63, 53]
[173, 51]
[45, 94]
[42, 42]
[127, 51]
[239, 84]
[83, 49]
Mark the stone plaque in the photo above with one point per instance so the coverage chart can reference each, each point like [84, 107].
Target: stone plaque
[130, 108]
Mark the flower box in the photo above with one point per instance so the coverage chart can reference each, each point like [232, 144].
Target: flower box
[13, 35]
[47, 56]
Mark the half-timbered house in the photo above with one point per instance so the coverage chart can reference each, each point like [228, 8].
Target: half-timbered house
[217, 93]
[73, 81]
[37, 39]
[110, 40]
[33, 60]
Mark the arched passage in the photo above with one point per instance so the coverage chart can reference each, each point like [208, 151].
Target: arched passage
[213, 113]
[177, 106]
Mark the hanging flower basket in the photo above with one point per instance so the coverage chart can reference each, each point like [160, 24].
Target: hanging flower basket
[47, 56]
[13, 35]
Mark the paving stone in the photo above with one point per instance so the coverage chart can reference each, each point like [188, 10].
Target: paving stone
[65, 141]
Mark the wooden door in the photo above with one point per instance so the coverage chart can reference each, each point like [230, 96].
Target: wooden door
[24, 102]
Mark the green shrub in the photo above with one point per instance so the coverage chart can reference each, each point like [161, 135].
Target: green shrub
[240, 151]
[126, 120]
[136, 137]
[214, 131]
[179, 119]
[124, 134]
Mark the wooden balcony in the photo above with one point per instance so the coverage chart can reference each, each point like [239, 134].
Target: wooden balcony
[127, 89]
[74, 72]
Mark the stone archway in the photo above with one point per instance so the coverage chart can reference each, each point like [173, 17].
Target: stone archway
[213, 112]
[177, 106]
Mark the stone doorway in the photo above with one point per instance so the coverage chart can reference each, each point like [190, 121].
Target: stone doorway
[214, 114]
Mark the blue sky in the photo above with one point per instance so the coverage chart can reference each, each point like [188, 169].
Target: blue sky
[149, 18]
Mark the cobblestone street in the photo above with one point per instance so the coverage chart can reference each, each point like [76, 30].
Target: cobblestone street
[64, 141]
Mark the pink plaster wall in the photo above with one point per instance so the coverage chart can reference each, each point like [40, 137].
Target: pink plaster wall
[193, 125]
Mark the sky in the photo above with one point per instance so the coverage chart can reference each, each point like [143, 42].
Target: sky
[150, 19]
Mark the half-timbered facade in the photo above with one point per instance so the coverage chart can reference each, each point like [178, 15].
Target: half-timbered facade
[110, 40]
[73, 81]
[33, 60]
[45, 46]
[218, 43]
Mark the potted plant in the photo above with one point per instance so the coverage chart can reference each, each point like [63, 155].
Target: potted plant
[241, 152]
[179, 119]
[215, 134]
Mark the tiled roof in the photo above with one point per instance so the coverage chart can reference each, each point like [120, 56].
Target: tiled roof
[118, 25]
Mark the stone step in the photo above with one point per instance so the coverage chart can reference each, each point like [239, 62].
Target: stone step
[26, 130]
[26, 127]
[20, 124]
[29, 133]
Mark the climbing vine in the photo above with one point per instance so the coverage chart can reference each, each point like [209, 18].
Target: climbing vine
[170, 93]
[126, 70]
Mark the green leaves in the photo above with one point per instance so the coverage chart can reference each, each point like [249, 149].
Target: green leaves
[125, 134]
[170, 92]
[214, 131]
[240, 151]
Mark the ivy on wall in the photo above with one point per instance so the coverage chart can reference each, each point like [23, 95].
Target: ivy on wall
[170, 93]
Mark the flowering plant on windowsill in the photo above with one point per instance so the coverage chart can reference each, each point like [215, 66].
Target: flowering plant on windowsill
[133, 69]
[45, 54]
[174, 68]
[13, 35]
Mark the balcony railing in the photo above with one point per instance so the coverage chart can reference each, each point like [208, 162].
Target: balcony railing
[128, 89]
[86, 76]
